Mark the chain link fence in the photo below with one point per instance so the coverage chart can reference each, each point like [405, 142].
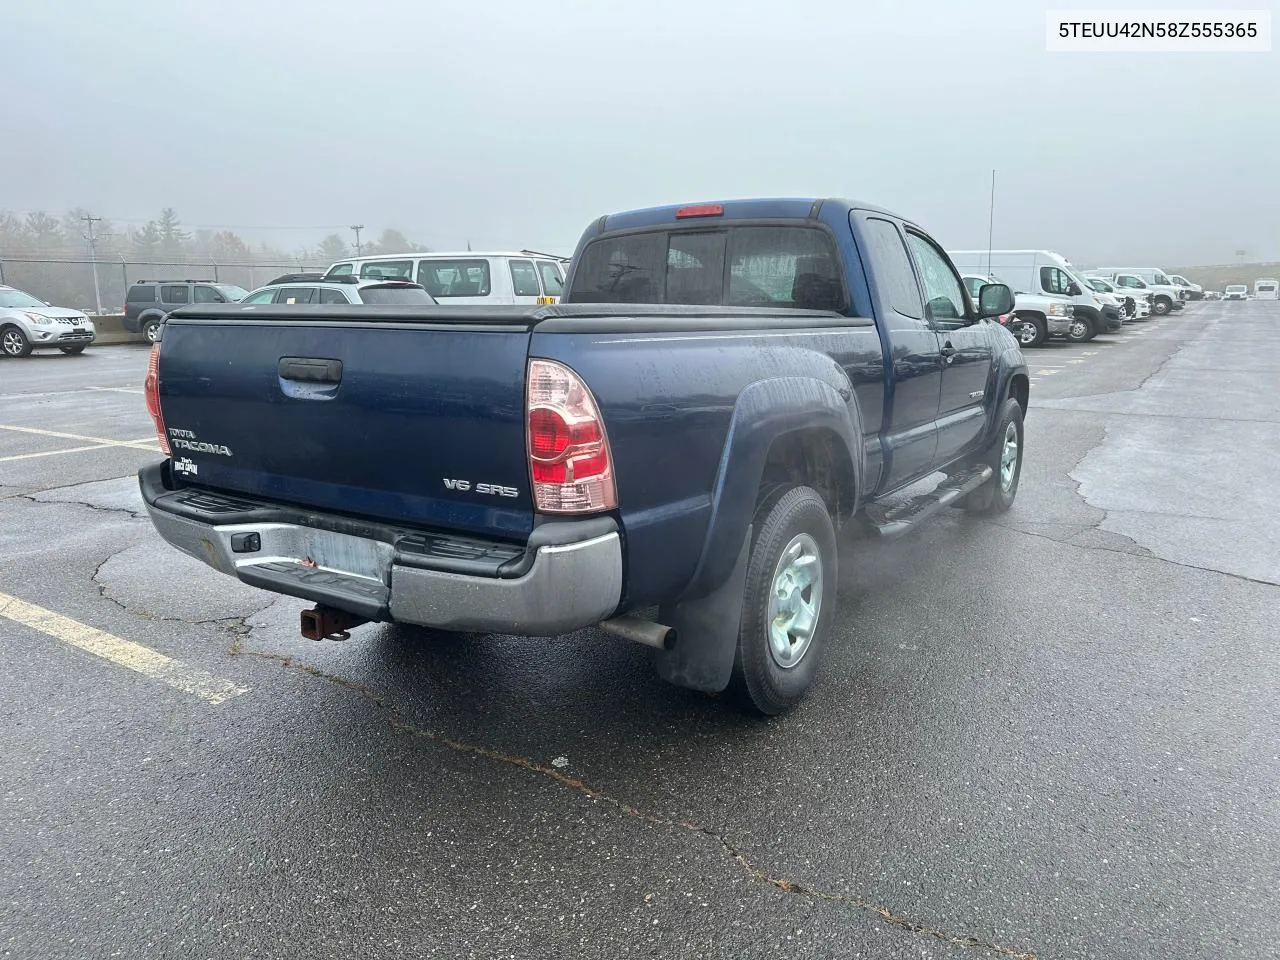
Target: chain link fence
[81, 284]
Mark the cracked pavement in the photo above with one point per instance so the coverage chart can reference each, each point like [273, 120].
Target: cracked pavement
[1051, 735]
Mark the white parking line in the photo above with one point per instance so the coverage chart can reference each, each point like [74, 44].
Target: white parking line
[116, 389]
[145, 444]
[54, 453]
[125, 653]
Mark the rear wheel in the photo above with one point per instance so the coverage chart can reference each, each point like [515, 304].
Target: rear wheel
[789, 600]
[14, 342]
[1029, 330]
[1004, 456]
[151, 330]
[73, 351]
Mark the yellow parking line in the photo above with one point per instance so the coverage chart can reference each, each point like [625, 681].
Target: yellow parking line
[125, 653]
[76, 436]
[54, 453]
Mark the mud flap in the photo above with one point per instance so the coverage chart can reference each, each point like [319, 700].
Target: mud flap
[706, 632]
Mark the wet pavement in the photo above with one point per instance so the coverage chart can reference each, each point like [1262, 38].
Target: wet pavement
[1048, 735]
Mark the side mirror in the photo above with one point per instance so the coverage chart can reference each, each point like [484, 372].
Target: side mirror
[994, 299]
[1073, 289]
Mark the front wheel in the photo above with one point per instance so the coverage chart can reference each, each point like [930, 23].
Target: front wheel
[1030, 331]
[73, 351]
[14, 342]
[789, 600]
[151, 330]
[1080, 331]
[1162, 306]
[1004, 456]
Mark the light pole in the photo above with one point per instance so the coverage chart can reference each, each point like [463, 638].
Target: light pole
[93, 258]
[357, 227]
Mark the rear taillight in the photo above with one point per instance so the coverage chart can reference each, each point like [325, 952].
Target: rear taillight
[151, 387]
[569, 458]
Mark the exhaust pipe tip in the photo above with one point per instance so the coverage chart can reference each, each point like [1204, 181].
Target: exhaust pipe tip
[646, 632]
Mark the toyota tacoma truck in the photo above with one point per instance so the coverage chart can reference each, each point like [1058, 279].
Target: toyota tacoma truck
[668, 453]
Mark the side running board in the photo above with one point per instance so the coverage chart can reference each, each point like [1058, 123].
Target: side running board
[892, 522]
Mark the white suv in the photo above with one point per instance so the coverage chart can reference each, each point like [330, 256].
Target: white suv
[1035, 318]
[28, 323]
[340, 290]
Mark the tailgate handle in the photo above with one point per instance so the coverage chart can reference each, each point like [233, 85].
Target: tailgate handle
[311, 370]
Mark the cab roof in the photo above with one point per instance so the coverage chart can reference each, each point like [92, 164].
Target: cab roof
[776, 208]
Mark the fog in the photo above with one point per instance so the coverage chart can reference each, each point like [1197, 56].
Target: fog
[513, 125]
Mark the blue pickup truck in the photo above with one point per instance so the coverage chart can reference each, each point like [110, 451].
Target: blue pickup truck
[667, 453]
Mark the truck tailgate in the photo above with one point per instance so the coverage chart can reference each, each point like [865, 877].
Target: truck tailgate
[421, 424]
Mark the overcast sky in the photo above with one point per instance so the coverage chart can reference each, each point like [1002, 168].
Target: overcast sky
[515, 124]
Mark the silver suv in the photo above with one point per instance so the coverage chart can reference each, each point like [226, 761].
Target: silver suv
[28, 323]
[341, 290]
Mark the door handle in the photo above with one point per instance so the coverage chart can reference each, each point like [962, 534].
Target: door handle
[310, 370]
[948, 353]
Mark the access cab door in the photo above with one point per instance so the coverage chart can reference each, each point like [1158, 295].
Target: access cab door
[967, 357]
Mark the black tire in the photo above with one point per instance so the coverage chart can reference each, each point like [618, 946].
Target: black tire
[14, 343]
[1081, 330]
[996, 496]
[1030, 330]
[73, 351]
[151, 330]
[789, 519]
[1161, 306]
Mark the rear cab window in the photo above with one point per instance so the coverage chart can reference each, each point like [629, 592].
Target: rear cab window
[468, 277]
[752, 265]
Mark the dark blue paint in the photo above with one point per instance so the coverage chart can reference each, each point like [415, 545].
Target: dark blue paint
[690, 413]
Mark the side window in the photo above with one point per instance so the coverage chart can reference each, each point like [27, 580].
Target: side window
[143, 293]
[893, 268]
[974, 284]
[551, 280]
[1053, 280]
[695, 268]
[331, 296]
[387, 270]
[262, 296]
[944, 297]
[341, 270]
[208, 295]
[296, 295]
[524, 279]
[174, 294]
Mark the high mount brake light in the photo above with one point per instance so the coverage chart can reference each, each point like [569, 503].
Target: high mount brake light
[151, 387]
[569, 459]
[701, 210]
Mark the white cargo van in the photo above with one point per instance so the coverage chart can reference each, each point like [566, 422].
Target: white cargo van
[465, 279]
[1046, 274]
[1266, 288]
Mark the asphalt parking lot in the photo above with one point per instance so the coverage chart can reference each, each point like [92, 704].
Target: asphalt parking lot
[1052, 735]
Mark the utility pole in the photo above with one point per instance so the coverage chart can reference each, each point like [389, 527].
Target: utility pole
[357, 227]
[93, 258]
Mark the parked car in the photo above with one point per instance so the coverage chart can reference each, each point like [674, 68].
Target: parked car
[28, 323]
[723, 385]
[1034, 318]
[1266, 289]
[148, 302]
[340, 290]
[1134, 304]
[1191, 291]
[1166, 296]
[465, 279]
[1236, 291]
[1046, 274]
